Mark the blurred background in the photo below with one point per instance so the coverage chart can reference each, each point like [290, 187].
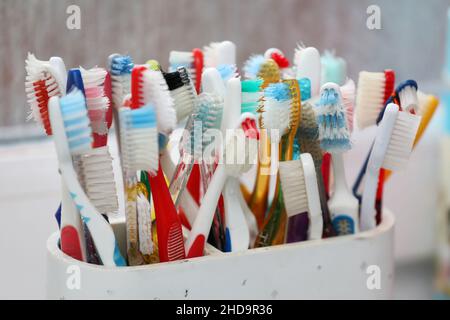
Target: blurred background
[411, 41]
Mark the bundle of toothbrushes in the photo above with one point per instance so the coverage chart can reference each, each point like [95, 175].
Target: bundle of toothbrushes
[188, 133]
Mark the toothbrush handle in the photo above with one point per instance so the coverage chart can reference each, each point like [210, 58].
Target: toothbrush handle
[168, 226]
[326, 164]
[368, 211]
[195, 243]
[297, 228]
[328, 229]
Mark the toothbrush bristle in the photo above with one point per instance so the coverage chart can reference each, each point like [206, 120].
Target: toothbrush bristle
[293, 184]
[252, 66]
[227, 71]
[76, 122]
[333, 130]
[280, 59]
[40, 86]
[348, 91]
[407, 94]
[96, 100]
[139, 90]
[184, 59]
[269, 72]
[120, 67]
[370, 97]
[251, 95]
[175, 243]
[139, 139]
[211, 54]
[277, 107]
[98, 179]
[182, 91]
[157, 93]
[296, 104]
[308, 134]
[402, 140]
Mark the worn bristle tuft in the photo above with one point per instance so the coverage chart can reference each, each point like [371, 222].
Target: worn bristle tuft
[227, 71]
[157, 93]
[139, 139]
[370, 97]
[139, 88]
[96, 100]
[76, 122]
[277, 107]
[333, 131]
[280, 59]
[293, 184]
[269, 72]
[211, 54]
[401, 141]
[348, 91]
[252, 66]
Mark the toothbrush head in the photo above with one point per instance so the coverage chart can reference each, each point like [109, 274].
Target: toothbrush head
[251, 95]
[296, 104]
[308, 134]
[407, 96]
[157, 93]
[120, 67]
[96, 100]
[139, 139]
[183, 93]
[333, 131]
[252, 66]
[402, 138]
[280, 59]
[139, 88]
[308, 65]
[153, 65]
[269, 72]
[40, 85]
[76, 122]
[293, 184]
[276, 110]
[374, 89]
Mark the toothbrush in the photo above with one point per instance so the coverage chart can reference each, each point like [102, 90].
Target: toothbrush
[391, 150]
[308, 138]
[301, 198]
[334, 69]
[237, 230]
[72, 136]
[195, 243]
[193, 61]
[170, 237]
[220, 53]
[43, 81]
[283, 63]
[308, 65]
[279, 110]
[334, 137]
[257, 67]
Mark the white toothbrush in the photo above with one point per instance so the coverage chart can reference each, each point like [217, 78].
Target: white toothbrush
[391, 150]
[72, 135]
[309, 65]
[227, 167]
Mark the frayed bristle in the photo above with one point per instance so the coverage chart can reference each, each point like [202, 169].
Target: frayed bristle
[334, 135]
[139, 139]
[120, 67]
[348, 91]
[211, 54]
[401, 141]
[76, 122]
[407, 94]
[157, 93]
[293, 184]
[277, 107]
[97, 177]
[370, 97]
[96, 100]
[252, 66]
[40, 85]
